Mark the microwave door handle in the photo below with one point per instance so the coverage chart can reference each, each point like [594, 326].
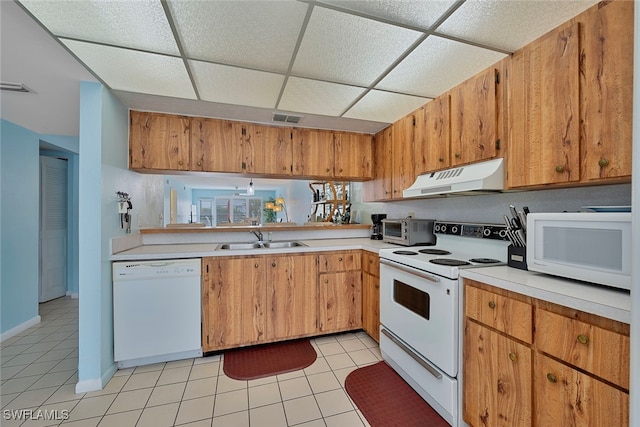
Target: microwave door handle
[410, 270]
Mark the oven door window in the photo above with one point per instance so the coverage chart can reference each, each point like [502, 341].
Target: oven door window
[411, 298]
[393, 229]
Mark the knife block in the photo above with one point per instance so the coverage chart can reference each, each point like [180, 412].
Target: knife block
[517, 257]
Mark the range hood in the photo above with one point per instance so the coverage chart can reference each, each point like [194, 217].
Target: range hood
[487, 176]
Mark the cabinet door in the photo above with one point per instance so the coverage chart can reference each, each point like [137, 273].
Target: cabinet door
[432, 136]
[371, 305]
[497, 379]
[340, 301]
[473, 119]
[313, 153]
[291, 296]
[567, 397]
[380, 188]
[608, 90]
[250, 138]
[544, 147]
[403, 174]
[278, 148]
[353, 153]
[222, 318]
[215, 146]
[339, 261]
[159, 141]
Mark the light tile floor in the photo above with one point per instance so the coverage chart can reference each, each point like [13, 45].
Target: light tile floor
[38, 372]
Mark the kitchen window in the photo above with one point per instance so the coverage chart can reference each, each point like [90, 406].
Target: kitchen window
[237, 209]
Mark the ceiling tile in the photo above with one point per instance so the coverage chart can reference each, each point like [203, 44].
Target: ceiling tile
[140, 24]
[436, 66]
[232, 85]
[145, 72]
[510, 25]
[417, 13]
[385, 106]
[315, 97]
[255, 34]
[349, 49]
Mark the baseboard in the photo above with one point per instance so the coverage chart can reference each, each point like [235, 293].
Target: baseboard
[72, 295]
[21, 327]
[96, 384]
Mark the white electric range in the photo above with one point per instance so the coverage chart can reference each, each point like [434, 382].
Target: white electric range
[420, 307]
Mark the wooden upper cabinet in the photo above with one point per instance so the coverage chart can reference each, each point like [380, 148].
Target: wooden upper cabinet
[402, 152]
[214, 147]
[158, 141]
[353, 155]
[380, 188]
[432, 138]
[607, 82]
[474, 119]
[278, 149]
[251, 140]
[544, 146]
[313, 154]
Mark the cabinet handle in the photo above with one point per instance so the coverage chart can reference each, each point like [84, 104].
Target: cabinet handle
[273, 264]
[440, 159]
[552, 378]
[284, 168]
[199, 163]
[340, 259]
[326, 170]
[603, 162]
[180, 162]
[560, 169]
[257, 265]
[583, 339]
[457, 155]
[513, 357]
[492, 304]
[341, 169]
[326, 280]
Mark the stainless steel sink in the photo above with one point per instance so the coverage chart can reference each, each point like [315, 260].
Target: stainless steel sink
[283, 244]
[257, 245]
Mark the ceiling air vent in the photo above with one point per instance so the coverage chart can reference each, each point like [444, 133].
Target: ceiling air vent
[285, 118]
[14, 87]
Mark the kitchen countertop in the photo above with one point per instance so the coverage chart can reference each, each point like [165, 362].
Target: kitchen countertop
[600, 300]
[188, 228]
[199, 250]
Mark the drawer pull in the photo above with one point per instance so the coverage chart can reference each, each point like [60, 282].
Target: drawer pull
[603, 162]
[492, 304]
[513, 357]
[273, 264]
[560, 169]
[583, 339]
[257, 265]
[552, 378]
[340, 259]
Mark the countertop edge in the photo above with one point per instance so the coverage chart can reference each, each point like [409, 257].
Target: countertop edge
[244, 228]
[606, 302]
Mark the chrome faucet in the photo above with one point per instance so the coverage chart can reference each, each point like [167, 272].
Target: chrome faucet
[258, 234]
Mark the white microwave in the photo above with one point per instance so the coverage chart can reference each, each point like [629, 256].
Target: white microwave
[589, 246]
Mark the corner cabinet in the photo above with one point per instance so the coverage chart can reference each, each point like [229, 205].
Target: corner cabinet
[533, 363]
[159, 141]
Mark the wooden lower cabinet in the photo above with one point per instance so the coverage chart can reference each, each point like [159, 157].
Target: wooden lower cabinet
[371, 294]
[339, 301]
[497, 379]
[575, 371]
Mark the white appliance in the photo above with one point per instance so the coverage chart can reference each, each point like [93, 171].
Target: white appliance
[420, 308]
[156, 311]
[590, 246]
[476, 178]
[408, 231]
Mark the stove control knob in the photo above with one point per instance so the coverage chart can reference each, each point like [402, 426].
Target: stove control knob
[502, 233]
[486, 232]
[443, 228]
[454, 229]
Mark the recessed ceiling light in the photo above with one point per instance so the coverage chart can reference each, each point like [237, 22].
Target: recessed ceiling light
[14, 87]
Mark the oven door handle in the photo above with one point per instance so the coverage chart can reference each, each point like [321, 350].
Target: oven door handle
[433, 371]
[410, 270]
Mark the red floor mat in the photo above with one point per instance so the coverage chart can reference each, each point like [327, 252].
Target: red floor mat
[385, 399]
[264, 360]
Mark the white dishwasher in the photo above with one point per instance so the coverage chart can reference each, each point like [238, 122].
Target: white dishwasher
[156, 311]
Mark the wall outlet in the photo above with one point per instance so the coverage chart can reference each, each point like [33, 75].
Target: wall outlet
[411, 214]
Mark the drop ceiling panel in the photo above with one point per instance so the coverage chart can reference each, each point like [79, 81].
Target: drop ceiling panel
[510, 25]
[253, 34]
[436, 66]
[145, 72]
[349, 49]
[385, 106]
[232, 85]
[138, 24]
[316, 97]
[417, 13]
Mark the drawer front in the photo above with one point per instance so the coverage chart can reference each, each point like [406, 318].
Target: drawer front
[505, 314]
[370, 263]
[596, 350]
[339, 261]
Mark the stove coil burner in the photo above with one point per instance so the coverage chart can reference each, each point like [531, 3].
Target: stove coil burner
[401, 252]
[449, 261]
[484, 260]
[434, 252]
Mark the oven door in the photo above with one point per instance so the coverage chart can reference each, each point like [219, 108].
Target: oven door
[421, 309]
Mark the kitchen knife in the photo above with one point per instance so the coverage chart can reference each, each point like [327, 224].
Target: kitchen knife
[523, 220]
